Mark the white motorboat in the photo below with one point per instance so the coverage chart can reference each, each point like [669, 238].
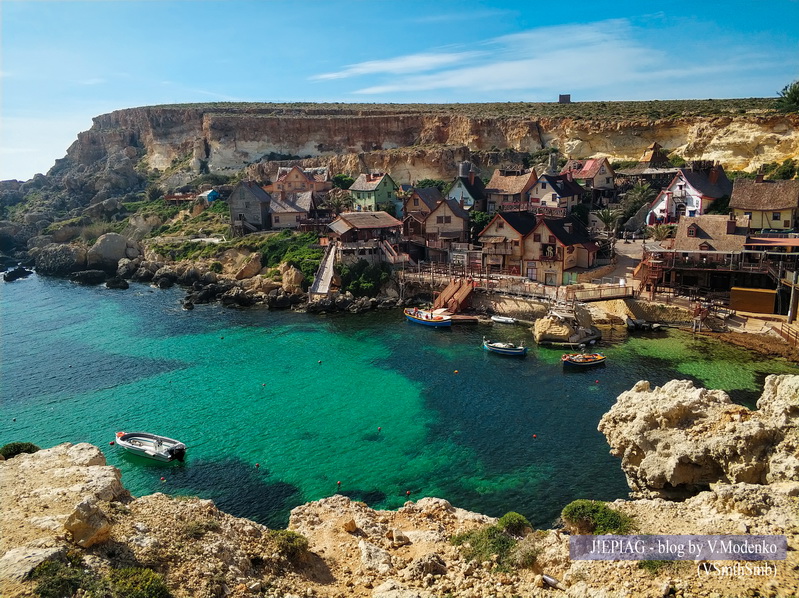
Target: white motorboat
[152, 446]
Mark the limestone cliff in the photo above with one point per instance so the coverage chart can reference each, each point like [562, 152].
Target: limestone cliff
[414, 142]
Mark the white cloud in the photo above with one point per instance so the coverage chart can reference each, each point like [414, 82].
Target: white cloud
[412, 63]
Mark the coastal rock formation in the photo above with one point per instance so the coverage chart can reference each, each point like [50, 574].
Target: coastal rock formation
[677, 440]
[108, 250]
[58, 260]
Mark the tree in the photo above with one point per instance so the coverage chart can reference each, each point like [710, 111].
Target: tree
[636, 197]
[338, 200]
[153, 192]
[342, 181]
[660, 232]
[609, 218]
[477, 222]
[789, 98]
[432, 183]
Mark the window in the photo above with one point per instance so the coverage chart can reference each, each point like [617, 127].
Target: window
[447, 219]
[298, 217]
[748, 215]
[439, 220]
[276, 219]
[607, 180]
[543, 185]
[415, 203]
[500, 225]
[776, 216]
[692, 231]
[246, 204]
[516, 243]
[552, 239]
[536, 237]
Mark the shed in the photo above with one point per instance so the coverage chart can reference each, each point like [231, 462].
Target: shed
[758, 301]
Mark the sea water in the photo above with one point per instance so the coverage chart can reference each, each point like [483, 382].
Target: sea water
[278, 408]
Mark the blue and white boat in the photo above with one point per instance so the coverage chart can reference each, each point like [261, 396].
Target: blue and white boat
[504, 348]
[151, 446]
[428, 318]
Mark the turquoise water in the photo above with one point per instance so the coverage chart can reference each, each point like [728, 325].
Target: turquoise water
[383, 406]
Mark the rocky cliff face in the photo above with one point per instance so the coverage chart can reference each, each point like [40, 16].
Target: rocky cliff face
[67, 500]
[431, 142]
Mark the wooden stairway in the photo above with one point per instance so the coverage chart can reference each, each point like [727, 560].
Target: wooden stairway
[454, 296]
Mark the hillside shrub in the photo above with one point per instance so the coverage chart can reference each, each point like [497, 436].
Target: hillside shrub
[595, 517]
[514, 523]
[363, 279]
[59, 578]
[137, 582]
[12, 449]
[482, 544]
[290, 544]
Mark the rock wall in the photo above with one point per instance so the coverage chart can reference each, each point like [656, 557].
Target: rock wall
[677, 440]
[413, 143]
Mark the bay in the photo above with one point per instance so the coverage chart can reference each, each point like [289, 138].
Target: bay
[277, 407]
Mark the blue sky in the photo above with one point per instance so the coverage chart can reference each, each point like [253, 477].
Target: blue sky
[63, 62]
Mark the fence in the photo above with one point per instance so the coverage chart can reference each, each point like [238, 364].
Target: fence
[789, 333]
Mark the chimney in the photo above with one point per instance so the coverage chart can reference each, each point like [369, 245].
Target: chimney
[471, 177]
[731, 224]
[713, 175]
[759, 177]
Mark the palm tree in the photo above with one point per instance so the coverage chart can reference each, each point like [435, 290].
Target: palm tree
[609, 218]
[639, 195]
[660, 232]
[338, 200]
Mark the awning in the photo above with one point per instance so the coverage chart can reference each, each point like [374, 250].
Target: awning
[772, 242]
[494, 240]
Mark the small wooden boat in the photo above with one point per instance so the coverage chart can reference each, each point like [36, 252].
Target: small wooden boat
[503, 319]
[428, 318]
[504, 348]
[583, 359]
[152, 446]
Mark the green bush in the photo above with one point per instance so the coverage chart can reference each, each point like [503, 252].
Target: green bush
[595, 517]
[514, 524]
[197, 529]
[482, 544]
[363, 279]
[59, 578]
[136, 582]
[12, 449]
[290, 544]
[216, 267]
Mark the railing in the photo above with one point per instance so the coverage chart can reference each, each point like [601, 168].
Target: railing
[603, 293]
[494, 250]
[789, 333]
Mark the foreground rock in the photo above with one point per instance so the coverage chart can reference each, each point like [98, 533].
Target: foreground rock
[676, 440]
[67, 499]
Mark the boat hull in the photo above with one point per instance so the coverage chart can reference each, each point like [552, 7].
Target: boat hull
[151, 446]
[582, 360]
[426, 318]
[506, 350]
[503, 320]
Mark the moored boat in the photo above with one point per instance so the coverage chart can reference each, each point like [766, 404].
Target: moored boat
[428, 318]
[582, 359]
[152, 446]
[503, 319]
[504, 348]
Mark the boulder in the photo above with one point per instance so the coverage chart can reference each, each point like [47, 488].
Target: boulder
[59, 260]
[292, 278]
[374, 558]
[17, 563]
[16, 274]
[117, 283]
[107, 251]
[89, 277]
[88, 524]
[250, 268]
[676, 440]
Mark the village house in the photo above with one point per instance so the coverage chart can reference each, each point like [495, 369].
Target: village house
[293, 179]
[707, 255]
[417, 205]
[249, 208]
[365, 235]
[502, 241]
[770, 205]
[690, 193]
[371, 192]
[508, 190]
[288, 210]
[555, 247]
[468, 189]
[596, 176]
[445, 227]
[653, 168]
[555, 195]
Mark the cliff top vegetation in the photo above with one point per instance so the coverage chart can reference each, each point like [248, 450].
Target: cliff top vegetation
[653, 109]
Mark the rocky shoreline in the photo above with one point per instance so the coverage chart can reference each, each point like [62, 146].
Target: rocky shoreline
[729, 469]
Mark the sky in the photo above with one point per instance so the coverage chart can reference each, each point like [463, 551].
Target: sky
[64, 62]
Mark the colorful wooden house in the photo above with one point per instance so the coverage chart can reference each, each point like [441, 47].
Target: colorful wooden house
[371, 192]
[288, 210]
[770, 205]
[555, 246]
[690, 193]
[467, 189]
[555, 195]
[502, 241]
[508, 190]
[595, 175]
[293, 179]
